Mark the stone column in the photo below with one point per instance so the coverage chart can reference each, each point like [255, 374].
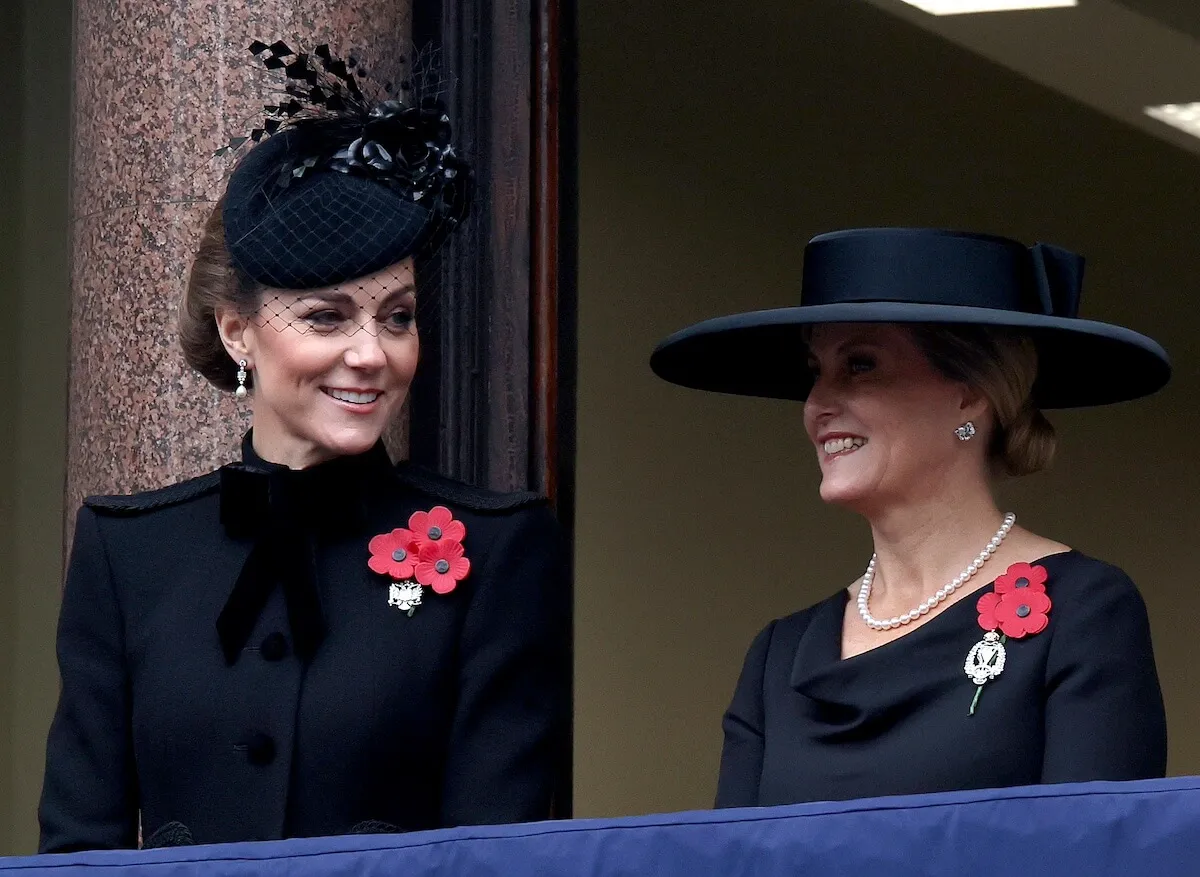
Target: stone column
[159, 87]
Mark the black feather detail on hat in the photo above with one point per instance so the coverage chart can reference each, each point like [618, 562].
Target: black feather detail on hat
[339, 185]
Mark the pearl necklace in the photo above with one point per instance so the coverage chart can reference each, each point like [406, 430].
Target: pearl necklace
[864, 592]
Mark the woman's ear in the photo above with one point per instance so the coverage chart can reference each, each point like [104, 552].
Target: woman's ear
[973, 405]
[232, 326]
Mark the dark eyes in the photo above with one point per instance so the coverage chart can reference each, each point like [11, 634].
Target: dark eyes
[859, 364]
[328, 319]
[855, 364]
[399, 320]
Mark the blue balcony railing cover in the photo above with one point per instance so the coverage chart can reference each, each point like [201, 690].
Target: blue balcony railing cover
[1144, 828]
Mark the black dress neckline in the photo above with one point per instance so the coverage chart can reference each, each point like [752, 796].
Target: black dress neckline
[852, 692]
[842, 598]
[1077, 701]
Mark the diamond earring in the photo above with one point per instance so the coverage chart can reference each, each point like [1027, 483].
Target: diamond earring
[240, 392]
[966, 432]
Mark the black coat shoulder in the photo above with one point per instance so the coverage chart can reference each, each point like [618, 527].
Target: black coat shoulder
[152, 500]
[476, 499]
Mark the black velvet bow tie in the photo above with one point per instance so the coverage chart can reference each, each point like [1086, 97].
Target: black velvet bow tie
[284, 511]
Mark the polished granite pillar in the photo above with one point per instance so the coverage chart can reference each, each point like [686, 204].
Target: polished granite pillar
[159, 87]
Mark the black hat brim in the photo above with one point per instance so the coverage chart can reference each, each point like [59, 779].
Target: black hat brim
[763, 353]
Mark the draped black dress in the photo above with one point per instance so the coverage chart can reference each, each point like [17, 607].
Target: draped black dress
[1078, 701]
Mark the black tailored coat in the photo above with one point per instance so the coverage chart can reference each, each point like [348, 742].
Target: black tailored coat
[325, 710]
[1078, 701]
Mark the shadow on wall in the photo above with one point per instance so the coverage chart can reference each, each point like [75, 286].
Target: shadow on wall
[715, 140]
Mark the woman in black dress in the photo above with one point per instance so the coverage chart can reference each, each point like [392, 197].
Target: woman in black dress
[971, 653]
[311, 640]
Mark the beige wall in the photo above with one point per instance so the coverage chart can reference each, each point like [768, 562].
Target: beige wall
[715, 139]
[35, 299]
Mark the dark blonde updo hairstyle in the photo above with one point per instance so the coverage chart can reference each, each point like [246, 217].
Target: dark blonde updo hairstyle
[1002, 364]
[213, 283]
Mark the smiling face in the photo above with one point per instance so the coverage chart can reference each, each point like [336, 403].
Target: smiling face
[882, 418]
[331, 366]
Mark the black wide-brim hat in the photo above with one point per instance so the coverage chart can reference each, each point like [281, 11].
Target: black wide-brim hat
[323, 228]
[902, 275]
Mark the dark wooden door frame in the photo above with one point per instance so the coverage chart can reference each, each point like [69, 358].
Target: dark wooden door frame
[494, 402]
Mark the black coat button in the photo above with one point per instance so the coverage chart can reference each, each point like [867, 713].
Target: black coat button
[260, 748]
[274, 647]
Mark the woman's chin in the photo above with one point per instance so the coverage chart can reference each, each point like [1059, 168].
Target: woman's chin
[350, 442]
[840, 493]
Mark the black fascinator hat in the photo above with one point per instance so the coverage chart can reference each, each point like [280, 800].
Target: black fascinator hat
[337, 185]
[915, 275]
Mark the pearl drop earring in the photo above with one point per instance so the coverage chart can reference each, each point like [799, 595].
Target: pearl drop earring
[240, 392]
[966, 432]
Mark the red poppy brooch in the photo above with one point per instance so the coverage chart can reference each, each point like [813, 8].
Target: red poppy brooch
[1016, 607]
[427, 554]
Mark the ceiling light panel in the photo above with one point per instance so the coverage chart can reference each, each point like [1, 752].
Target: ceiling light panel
[964, 7]
[1185, 117]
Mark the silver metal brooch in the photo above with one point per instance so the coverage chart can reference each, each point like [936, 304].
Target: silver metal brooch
[405, 596]
[985, 661]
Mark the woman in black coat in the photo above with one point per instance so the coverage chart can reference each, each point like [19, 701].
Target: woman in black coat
[311, 640]
[971, 653]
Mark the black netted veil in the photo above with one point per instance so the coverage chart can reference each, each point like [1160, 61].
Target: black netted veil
[323, 229]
